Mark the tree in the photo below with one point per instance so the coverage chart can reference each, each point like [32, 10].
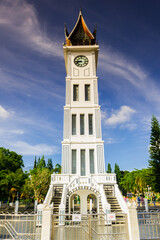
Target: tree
[42, 163]
[57, 168]
[27, 190]
[128, 182]
[11, 173]
[38, 162]
[154, 161]
[40, 181]
[9, 180]
[118, 174]
[10, 160]
[50, 165]
[35, 163]
[109, 169]
[135, 181]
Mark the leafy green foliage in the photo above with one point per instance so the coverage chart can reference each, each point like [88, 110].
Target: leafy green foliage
[109, 169]
[41, 163]
[10, 160]
[35, 163]
[50, 165]
[57, 168]
[118, 173]
[154, 151]
[11, 174]
[39, 182]
[9, 180]
[135, 181]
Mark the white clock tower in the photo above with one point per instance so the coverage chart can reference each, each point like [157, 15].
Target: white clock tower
[82, 146]
[83, 186]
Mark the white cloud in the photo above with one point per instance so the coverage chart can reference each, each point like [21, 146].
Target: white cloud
[20, 18]
[117, 64]
[4, 114]
[18, 131]
[111, 140]
[119, 117]
[131, 126]
[27, 149]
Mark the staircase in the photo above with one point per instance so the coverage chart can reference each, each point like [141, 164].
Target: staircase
[115, 207]
[100, 206]
[56, 199]
[67, 205]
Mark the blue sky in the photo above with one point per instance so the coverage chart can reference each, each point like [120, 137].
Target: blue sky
[32, 75]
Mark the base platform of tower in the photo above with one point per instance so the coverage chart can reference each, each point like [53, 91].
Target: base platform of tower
[84, 188]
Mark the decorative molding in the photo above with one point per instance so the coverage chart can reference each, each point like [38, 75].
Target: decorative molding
[100, 159]
[75, 72]
[98, 123]
[65, 159]
[95, 90]
[68, 92]
[87, 72]
[66, 124]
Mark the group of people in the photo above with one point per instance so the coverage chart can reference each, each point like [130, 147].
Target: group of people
[140, 200]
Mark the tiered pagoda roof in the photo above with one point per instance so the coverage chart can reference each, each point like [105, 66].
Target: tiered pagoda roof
[80, 35]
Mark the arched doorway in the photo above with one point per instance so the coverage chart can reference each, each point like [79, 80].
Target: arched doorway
[91, 203]
[75, 203]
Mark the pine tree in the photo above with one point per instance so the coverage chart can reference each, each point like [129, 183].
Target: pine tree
[109, 169]
[49, 164]
[154, 161]
[118, 173]
[42, 163]
[38, 162]
[35, 163]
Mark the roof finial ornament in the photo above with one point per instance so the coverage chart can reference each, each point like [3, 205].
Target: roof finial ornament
[80, 35]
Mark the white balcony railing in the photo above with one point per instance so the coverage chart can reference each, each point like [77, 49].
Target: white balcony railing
[105, 178]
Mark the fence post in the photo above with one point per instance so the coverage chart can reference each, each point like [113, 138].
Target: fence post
[52, 234]
[89, 227]
[46, 223]
[146, 204]
[16, 207]
[35, 205]
[133, 227]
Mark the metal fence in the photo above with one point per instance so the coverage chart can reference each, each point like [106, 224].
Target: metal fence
[20, 226]
[149, 225]
[22, 207]
[87, 227]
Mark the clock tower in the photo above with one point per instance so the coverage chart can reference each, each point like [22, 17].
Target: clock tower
[83, 186]
[82, 146]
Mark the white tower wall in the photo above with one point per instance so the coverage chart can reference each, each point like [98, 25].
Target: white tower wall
[82, 76]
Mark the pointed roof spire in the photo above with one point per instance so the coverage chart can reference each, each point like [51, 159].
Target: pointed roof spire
[80, 35]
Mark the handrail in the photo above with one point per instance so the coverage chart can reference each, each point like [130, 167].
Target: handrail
[64, 194]
[71, 182]
[96, 184]
[105, 204]
[49, 195]
[11, 231]
[12, 228]
[120, 199]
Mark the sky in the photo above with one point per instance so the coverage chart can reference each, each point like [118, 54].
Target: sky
[32, 75]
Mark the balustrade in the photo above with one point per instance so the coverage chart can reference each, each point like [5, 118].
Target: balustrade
[99, 178]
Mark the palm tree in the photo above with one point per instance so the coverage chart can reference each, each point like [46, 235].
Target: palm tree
[57, 168]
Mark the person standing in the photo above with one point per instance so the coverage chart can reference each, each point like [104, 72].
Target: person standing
[138, 200]
[154, 200]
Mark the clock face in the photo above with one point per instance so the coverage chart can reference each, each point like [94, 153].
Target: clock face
[81, 61]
